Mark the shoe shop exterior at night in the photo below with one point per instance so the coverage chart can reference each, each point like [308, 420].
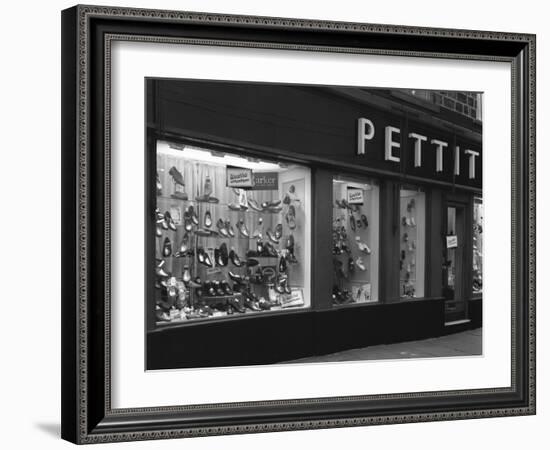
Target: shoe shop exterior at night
[289, 221]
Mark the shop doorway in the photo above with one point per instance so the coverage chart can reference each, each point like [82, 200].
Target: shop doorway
[454, 264]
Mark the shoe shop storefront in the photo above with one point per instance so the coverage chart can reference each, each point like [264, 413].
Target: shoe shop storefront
[288, 221]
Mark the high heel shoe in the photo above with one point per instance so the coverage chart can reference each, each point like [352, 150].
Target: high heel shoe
[183, 246]
[234, 258]
[166, 248]
[229, 228]
[254, 205]
[203, 257]
[160, 269]
[243, 230]
[192, 215]
[170, 222]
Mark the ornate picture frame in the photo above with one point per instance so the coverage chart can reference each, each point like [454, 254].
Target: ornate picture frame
[88, 33]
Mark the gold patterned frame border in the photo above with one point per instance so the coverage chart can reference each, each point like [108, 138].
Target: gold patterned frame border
[85, 13]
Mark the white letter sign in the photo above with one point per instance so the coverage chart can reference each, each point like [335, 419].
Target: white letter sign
[390, 144]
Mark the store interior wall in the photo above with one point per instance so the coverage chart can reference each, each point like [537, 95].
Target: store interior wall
[30, 339]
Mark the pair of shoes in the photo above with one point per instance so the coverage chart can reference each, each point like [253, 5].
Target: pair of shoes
[203, 257]
[221, 255]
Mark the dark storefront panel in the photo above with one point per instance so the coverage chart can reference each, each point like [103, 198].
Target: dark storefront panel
[318, 127]
[308, 122]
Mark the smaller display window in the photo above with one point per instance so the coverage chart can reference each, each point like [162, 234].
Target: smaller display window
[477, 247]
[355, 240]
[412, 239]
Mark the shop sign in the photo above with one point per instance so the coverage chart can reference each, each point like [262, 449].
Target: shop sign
[355, 196]
[265, 181]
[239, 177]
[366, 131]
[452, 241]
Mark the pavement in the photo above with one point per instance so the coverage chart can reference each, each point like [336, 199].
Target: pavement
[466, 343]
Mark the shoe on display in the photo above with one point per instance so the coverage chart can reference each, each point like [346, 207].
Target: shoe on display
[176, 176]
[243, 200]
[229, 228]
[226, 288]
[166, 248]
[264, 304]
[404, 221]
[194, 284]
[278, 231]
[169, 221]
[234, 206]
[254, 205]
[159, 185]
[287, 288]
[291, 217]
[224, 254]
[352, 222]
[222, 228]
[158, 231]
[413, 222]
[359, 263]
[251, 262]
[234, 258]
[282, 265]
[236, 277]
[203, 257]
[258, 231]
[203, 233]
[274, 209]
[351, 265]
[243, 230]
[237, 304]
[207, 219]
[272, 237]
[183, 246]
[364, 220]
[186, 274]
[192, 215]
[362, 246]
[271, 294]
[405, 237]
[269, 250]
[161, 272]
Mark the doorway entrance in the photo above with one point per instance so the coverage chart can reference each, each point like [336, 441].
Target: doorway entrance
[454, 268]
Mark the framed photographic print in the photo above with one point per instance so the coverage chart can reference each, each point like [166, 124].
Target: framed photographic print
[281, 224]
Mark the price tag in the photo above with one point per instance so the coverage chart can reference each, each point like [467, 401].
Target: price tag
[452, 241]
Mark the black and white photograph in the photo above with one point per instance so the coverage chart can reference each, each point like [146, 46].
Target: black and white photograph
[293, 223]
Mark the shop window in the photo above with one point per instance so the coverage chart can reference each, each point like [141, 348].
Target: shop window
[477, 266]
[232, 235]
[355, 241]
[412, 217]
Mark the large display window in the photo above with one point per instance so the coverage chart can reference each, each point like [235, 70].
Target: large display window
[232, 234]
[355, 241]
[477, 247]
[412, 214]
